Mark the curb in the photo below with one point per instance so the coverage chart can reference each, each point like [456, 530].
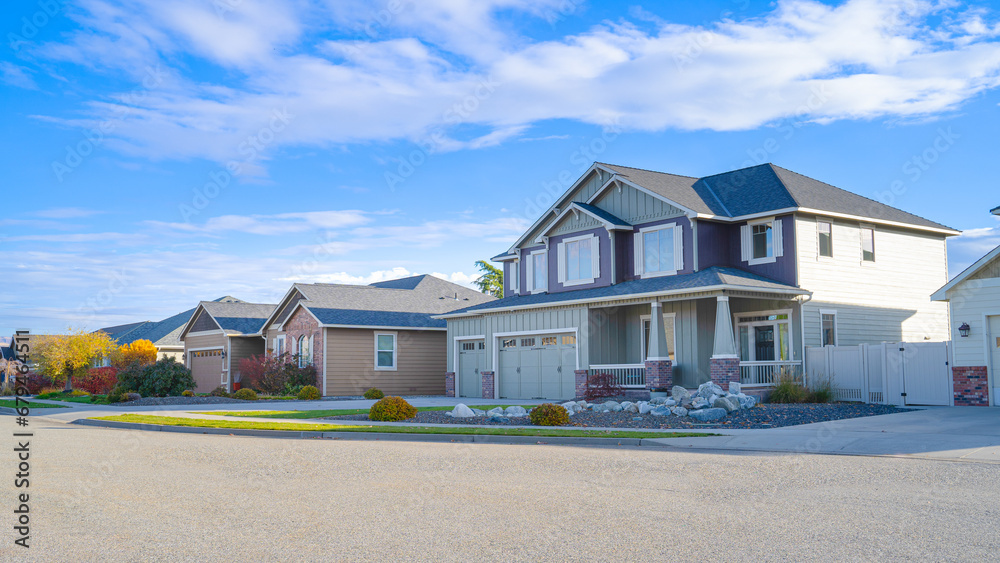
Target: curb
[382, 436]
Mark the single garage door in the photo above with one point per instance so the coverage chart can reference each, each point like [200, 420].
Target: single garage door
[537, 367]
[206, 368]
[471, 361]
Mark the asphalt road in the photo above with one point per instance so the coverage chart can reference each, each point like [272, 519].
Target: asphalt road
[116, 495]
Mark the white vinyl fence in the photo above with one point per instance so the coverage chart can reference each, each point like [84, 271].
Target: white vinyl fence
[900, 374]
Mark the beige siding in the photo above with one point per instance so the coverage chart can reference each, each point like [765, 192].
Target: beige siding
[241, 349]
[204, 341]
[350, 363]
[888, 300]
[971, 300]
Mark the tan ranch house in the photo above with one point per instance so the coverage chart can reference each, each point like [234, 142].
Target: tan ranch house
[362, 336]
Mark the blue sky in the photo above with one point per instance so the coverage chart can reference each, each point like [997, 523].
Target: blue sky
[161, 153]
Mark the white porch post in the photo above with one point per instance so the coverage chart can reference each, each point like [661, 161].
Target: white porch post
[725, 340]
[657, 334]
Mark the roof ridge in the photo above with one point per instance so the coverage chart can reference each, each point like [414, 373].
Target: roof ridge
[735, 170]
[647, 170]
[773, 166]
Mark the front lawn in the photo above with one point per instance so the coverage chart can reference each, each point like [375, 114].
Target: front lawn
[551, 432]
[333, 412]
[30, 404]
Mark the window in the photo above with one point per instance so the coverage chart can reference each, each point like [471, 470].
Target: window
[867, 244]
[825, 239]
[829, 328]
[659, 251]
[515, 278]
[466, 346]
[527, 342]
[761, 241]
[764, 337]
[549, 341]
[279, 345]
[385, 351]
[509, 343]
[537, 274]
[305, 351]
[578, 260]
[569, 340]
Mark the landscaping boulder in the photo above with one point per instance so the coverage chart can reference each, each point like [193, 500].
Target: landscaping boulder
[708, 389]
[699, 403]
[645, 408]
[479, 412]
[499, 419]
[515, 412]
[571, 407]
[658, 400]
[735, 388]
[726, 403]
[462, 411]
[612, 406]
[670, 402]
[679, 393]
[747, 401]
[583, 405]
[629, 406]
[708, 415]
[679, 411]
[495, 412]
[660, 410]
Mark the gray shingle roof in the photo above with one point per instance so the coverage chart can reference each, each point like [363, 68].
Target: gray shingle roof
[239, 317]
[418, 294]
[676, 188]
[603, 215]
[121, 331]
[711, 277]
[360, 317]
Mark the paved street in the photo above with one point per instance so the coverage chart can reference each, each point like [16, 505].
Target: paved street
[115, 495]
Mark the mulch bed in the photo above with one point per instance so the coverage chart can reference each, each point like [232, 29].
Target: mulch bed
[761, 416]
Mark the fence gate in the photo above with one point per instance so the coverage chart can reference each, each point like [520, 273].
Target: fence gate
[896, 374]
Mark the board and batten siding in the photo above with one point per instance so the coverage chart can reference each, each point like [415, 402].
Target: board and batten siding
[350, 362]
[885, 301]
[970, 301]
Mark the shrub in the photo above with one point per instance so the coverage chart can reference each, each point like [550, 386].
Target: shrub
[264, 372]
[187, 393]
[48, 395]
[78, 393]
[117, 395]
[165, 378]
[36, 382]
[245, 394]
[301, 377]
[788, 392]
[392, 409]
[131, 397]
[821, 394]
[374, 393]
[549, 414]
[603, 386]
[219, 391]
[97, 381]
[309, 393]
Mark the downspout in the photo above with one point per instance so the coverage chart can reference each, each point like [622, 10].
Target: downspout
[613, 235]
[802, 328]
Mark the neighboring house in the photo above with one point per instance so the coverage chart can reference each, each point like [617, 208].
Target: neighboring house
[165, 334]
[974, 296]
[662, 279]
[218, 335]
[361, 336]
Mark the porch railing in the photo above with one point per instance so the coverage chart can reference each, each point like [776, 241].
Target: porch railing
[767, 374]
[627, 375]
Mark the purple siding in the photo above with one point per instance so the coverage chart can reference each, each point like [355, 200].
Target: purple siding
[782, 269]
[714, 244]
[605, 244]
[629, 257]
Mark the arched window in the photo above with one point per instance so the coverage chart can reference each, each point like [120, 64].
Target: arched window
[305, 351]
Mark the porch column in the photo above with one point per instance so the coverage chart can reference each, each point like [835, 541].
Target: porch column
[659, 369]
[724, 366]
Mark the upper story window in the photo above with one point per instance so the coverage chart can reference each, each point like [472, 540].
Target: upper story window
[659, 251]
[761, 241]
[578, 260]
[538, 271]
[867, 244]
[825, 231]
[515, 278]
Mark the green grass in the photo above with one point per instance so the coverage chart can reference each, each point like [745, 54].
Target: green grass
[325, 413]
[30, 404]
[553, 432]
[99, 399]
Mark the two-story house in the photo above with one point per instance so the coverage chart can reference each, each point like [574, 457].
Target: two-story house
[663, 279]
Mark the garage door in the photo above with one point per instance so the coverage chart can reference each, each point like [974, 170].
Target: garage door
[206, 368]
[537, 367]
[471, 361]
[994, 348]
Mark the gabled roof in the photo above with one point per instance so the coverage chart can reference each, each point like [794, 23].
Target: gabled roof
[673, 187]
[996, 211]
[610, 221]
[710, 279]
[942, 294]
[163, 334]
[357, 305]
[233, 316]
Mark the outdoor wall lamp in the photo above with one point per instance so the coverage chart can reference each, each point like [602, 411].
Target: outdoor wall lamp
[964, 330]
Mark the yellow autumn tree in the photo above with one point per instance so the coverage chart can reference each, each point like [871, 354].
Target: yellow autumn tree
[141, 352]
[60, 356]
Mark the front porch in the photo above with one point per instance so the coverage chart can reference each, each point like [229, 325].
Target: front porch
[757, 341]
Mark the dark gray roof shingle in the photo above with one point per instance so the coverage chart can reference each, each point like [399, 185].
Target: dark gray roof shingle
[603, 215]
[361, 317]
[711, 277]
[239, 317]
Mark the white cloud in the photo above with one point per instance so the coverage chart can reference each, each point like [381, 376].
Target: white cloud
[66, 213]
[972, 245]
[16, 76]
[279, 224]
[422, 72]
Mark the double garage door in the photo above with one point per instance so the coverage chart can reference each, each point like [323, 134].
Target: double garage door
[206, 368]
[531, 367]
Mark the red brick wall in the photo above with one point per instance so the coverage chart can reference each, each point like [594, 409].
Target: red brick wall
[659, 374]
[971, 386]
[724, 370]
[302, 323]
[449, 384]
[487, 384]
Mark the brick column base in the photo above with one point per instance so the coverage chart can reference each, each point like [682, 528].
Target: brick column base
[971, 386]
[449, 384]
[659, 374]
[724, 371]
[487, 384]
[581, 383]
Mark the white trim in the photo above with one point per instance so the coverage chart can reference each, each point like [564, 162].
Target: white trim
[531, 267]
[395, 351]
[570, 302]
[991, 370]
[515, 281]
[576, 209]
[777, 343]
[224, 376]
[575, 331]
[269, 322]
[204, 348]
[942, 294]
[861, 236]
[776, 241]
[326, 342]
[301, 304]
[206, 332]
[819, 246]
[836, 326]
[380, 327]
[555, 205]
[811, 211]
[455, 354]
[563, 266]
[640, 251]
